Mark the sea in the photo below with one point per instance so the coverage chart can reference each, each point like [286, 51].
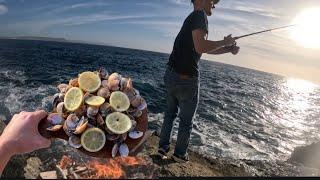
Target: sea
[242, 113]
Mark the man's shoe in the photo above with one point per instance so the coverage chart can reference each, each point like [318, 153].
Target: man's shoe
[180, 159]
[163, 153]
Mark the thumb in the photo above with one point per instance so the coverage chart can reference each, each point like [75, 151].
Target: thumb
[39, 115]
[44, 143]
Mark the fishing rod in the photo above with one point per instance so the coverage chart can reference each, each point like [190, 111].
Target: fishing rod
[268, 30]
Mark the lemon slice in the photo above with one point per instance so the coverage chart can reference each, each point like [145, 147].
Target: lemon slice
[95, 101]
[119, 101]
[118, 123]
[73, 99]
[93, 139]
[89, 81]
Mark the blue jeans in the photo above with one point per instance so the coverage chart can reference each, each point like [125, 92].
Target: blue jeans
[182, 94]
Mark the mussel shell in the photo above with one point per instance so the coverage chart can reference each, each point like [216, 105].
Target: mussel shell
[67, 130]
[86, 96]
[56, 100]
[105, 109]
[92, 111]
[134, 112]
[55, 119]
[124, 83]
[104, 92]
[90, 126]
[93, 121]
[100, 120]
[60, 108]
[61, 96]
[74, 82]
[115, 149]
[114, 82]
[71, 122]
[75, 142]
[54, 128]
[63, 88]
[112, 137]
[130, 93]
[123, 137]
[130, 116]
[81, 111]
[137, 114]
[82, 126]
[136, 101]
[143, 105]
[103, 73]
[124, 150]
[134, 125]
[104, 83]
[135, 134]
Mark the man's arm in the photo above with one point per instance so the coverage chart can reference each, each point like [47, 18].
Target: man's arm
[5, 156]
[22, 136]
[205, 46]
[219, 51]
[232, 49]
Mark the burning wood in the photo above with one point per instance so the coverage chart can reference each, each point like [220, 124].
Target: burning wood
[121, 167]
[65, 162]
[110, 170]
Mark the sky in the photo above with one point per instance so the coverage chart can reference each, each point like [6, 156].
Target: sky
[153, 25]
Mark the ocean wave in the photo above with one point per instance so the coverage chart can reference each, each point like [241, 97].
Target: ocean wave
[26, 98]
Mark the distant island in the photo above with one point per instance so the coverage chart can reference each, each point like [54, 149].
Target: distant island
[37, 38]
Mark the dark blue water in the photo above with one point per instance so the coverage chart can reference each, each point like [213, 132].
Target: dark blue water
[243, 114]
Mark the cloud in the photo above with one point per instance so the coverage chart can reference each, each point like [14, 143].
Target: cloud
[38, 26]
[86, 5]
[165, 27]
[77, 6]
[3, 9]
[79, 20]
[181, 2]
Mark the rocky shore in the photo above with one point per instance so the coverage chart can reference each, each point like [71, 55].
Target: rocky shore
[300, 164]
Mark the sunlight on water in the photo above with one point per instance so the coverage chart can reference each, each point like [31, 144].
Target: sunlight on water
[300, 86]
[297, 103]
[300, 91]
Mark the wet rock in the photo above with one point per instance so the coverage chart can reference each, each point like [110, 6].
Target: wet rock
[2, 126]
[49, 175]
[33, 168]
[307, 155]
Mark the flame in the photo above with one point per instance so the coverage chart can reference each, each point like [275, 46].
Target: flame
[110, 170]
[130, 161]
[113, 168]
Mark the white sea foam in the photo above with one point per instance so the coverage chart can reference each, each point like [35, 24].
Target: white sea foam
[22, 98]
[27, 99]
[14, 75]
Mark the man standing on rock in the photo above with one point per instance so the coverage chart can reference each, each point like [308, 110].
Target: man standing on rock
[182, 76]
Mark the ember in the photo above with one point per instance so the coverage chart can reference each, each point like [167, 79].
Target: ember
[65, 162]
[130, 161]
[117, 168]
[110, 170]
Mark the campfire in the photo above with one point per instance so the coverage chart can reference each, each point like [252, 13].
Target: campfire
[117, 168]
